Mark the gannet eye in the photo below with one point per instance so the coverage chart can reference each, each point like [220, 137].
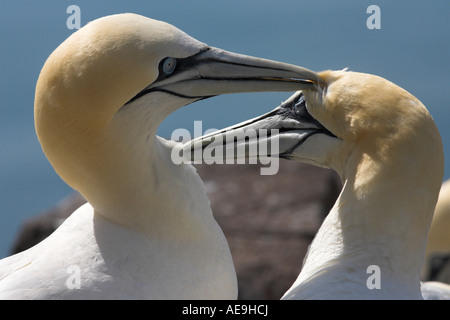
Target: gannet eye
[168, 65]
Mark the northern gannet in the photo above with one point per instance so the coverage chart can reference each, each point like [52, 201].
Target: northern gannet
[147, 231]
[387, 150]
[439, 235]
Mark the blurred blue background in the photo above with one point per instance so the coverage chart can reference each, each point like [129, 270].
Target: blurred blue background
[412, 49]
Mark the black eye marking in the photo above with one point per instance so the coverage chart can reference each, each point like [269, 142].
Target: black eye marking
[301, 112]
[296, 109]
[170, 65]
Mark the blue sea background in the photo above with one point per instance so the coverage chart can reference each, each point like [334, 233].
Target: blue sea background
[412, 49]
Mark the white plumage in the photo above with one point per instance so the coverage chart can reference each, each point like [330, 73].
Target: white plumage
[147, 231]
[386, 148]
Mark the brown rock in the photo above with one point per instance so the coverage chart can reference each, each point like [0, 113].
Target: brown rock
[269, 221]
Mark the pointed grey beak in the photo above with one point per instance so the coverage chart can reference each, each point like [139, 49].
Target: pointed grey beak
[214, 71]
[276, 133]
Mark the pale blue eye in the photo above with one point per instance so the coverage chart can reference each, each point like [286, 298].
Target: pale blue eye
[168, 65]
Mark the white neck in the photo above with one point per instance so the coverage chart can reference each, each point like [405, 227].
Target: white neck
[381, 218]
[133, 182]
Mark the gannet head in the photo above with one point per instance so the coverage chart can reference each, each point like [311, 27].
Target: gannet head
[354, 123]
[384, 144]
[120, 76]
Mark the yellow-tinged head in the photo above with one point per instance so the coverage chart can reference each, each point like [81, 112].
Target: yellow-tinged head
[382, 142]
[368, 129]
[91, 75]
[112, 82]
[347, 113]
[376, 118]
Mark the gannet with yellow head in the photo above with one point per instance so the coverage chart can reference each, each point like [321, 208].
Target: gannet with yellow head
[147, 231]
[386, 148]
[439, 237]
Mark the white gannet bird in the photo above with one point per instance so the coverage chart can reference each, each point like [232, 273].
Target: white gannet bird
[386, 148]
[147, 231]
[439, 235]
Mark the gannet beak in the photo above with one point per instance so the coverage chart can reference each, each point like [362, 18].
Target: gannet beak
[214, 71]
[281, 131]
